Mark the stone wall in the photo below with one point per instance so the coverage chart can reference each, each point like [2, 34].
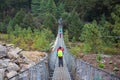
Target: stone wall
[13, 61]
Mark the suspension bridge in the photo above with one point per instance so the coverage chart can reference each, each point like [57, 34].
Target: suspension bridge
[73, 69]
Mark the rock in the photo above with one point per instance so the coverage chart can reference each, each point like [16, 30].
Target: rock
[25, 66]
[110, 62]
[2, 74]
[115, 69]
[10, 45]
[34, 56]
[103, 61]
[13, 67]
[11, 74]
[3, 51]
[105, 56]
[19, 60]
[7, 60]
[4, 63]
[13, 53]
[3, 44]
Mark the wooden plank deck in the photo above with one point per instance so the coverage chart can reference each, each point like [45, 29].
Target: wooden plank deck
[61, 73]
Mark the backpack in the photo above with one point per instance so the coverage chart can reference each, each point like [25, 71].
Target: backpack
[60, 53]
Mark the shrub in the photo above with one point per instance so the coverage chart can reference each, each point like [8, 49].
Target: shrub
[3, 37]
[99, 58]
[87, 48]
[101, 65]
[40, 42]
[75, 50]
[109, 50]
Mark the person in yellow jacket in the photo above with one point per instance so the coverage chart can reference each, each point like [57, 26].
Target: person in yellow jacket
[60, 56]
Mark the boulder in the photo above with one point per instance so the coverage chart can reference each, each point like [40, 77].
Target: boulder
[13, 67]
[25, 66]
[4, 63]
[3, 51]
[2, 43]
[11, 74]
[10, 45]
[2, 74]
[13, 53]
[6, 60]
[19, 60]
[34, 56]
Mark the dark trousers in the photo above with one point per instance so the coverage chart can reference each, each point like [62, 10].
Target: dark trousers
[60, 61]
[60, 35]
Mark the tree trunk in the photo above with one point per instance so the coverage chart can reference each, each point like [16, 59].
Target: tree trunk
[29, 3]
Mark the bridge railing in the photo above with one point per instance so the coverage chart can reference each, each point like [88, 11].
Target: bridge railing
[85, 71]
[81, 70]
[36, 72]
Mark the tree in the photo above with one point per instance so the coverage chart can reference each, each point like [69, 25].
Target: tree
[49, 35]
[29, 4]
[70, 4]
[4, 24]
[28, 21]
[18, 19]
[17, 30]
[91, 37]
[43, 8]
[60, 10]
[116, 24]
[51, 7]
[75, 25]
[10, 7]
[50, 22]
[40, 42]
[106, 31]
[66, 36]
[39, 6]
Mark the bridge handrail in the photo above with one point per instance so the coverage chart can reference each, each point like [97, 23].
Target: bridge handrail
[80, 66]
[37, 64]
[110, 73]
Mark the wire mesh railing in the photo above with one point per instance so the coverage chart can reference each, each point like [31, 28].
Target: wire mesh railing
[36, 72]
[81, 70]
[85, 71]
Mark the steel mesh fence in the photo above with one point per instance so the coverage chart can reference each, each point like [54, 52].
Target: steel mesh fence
[85, 71]
[36, 72]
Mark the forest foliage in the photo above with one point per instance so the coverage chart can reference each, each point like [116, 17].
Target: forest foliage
[32, 24]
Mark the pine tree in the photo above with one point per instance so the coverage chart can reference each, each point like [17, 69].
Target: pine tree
[51, 7]
[66, 36]
[75, 25]
[35, 6]
[50, 22]
[104, 28]
[17, 30]
[40, 42]
[116, 26]
[4, 24]
[18, 19]
[60, 10]
[28, 21]
[92, 38]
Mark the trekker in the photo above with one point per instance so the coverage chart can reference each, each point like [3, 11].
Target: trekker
[60, 32]
[60, 56]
